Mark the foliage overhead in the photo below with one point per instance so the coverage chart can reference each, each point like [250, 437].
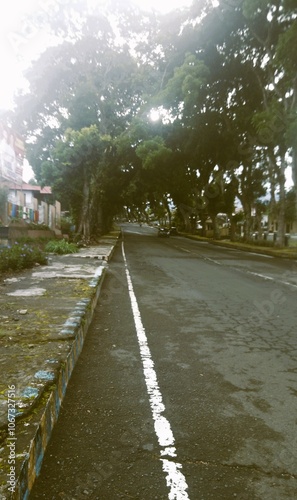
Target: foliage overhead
[221, 80]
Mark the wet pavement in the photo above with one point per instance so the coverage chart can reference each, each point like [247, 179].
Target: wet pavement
[45, 313]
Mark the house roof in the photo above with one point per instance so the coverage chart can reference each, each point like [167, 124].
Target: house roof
[30, 187]
[46, 190]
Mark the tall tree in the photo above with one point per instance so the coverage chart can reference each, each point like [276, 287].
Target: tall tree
[266, 24]
[225, 91]
[78, 161]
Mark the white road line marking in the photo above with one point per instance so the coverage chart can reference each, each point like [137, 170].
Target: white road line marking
[263, 276]
[182, 248]
[199, 255]
[260, 275]
[213, 260]
[288, 283]
[260, 255]
[175, 479]
[269, 278]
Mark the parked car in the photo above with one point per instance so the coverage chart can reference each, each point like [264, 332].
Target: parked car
[173, 230]
[164, 232]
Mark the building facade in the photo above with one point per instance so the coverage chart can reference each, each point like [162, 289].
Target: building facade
[33, 204]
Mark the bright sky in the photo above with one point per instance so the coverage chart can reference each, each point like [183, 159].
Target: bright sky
[17, 47]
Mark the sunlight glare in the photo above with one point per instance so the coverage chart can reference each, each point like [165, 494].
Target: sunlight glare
[154, 115]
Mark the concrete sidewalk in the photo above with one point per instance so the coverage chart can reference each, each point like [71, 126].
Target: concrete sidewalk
[45, 314]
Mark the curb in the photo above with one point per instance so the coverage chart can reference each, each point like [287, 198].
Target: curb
[234, 246]
[76, 326]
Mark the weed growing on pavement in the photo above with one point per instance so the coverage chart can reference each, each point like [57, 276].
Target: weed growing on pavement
[61, 247]
[20, 256]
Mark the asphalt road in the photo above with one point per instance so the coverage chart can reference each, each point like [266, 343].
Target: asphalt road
[187, 384]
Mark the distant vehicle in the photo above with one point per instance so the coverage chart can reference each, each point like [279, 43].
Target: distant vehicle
[163, 232]
[173, 230]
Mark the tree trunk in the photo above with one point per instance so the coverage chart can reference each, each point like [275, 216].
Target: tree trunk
[187, 224]
[272, 179]
[258, 221]
[84, 225]
[185, 212]
[233, 226]
[248, 225]
[282, 204]
[247, 210]
[216, 230]
[100, 229]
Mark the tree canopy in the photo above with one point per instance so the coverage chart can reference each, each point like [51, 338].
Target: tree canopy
[192, 110]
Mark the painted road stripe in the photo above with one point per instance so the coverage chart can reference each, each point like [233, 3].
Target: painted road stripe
[260, 255]
[263, 276]
[184, 249]
[199, 255]
[288, 284]
[175, 479]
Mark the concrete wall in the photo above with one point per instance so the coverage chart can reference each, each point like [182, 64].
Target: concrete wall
[49, 215]
[20, 229]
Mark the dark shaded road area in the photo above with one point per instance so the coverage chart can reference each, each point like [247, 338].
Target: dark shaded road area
[186, 386]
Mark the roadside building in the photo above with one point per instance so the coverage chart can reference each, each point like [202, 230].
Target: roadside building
[33, 204]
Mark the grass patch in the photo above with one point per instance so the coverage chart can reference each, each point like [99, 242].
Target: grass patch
[265, 247]
[61, 247]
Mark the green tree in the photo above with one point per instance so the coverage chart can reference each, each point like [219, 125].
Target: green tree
[78, 161]
[223, 79]
[267, 26]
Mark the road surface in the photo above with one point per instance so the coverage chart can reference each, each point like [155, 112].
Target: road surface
[187, 384]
